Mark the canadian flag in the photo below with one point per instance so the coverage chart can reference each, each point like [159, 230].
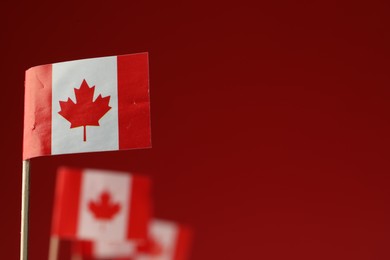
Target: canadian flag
[103, 250]
[167, 241]
[99, 104]
[101, 205]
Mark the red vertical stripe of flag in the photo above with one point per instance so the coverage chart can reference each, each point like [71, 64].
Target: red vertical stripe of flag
[133, 102]
[140, 209]
[66, 203]
[37, 112]
[183, 243]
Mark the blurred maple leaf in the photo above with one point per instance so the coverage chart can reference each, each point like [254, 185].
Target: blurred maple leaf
[85, 112]
[104, 208]
[150, 247]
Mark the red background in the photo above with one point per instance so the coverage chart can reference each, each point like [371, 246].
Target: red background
[270, 121]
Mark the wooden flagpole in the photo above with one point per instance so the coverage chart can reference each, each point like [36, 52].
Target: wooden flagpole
[25, 209]
[54, 247]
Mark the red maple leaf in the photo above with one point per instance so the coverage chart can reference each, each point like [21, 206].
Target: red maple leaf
[151, 247]
[104, 208]
[85, 112]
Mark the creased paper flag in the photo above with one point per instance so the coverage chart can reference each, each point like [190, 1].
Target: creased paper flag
[101, 205]
[99, 104]
[166, 241]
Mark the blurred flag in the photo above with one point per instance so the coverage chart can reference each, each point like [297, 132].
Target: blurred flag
[101, 205]
[98, 250]
[167, 241]
[99, 104]
[103, 250]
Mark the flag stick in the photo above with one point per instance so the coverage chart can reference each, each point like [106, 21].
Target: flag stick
[25, 207]
[54, 247]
